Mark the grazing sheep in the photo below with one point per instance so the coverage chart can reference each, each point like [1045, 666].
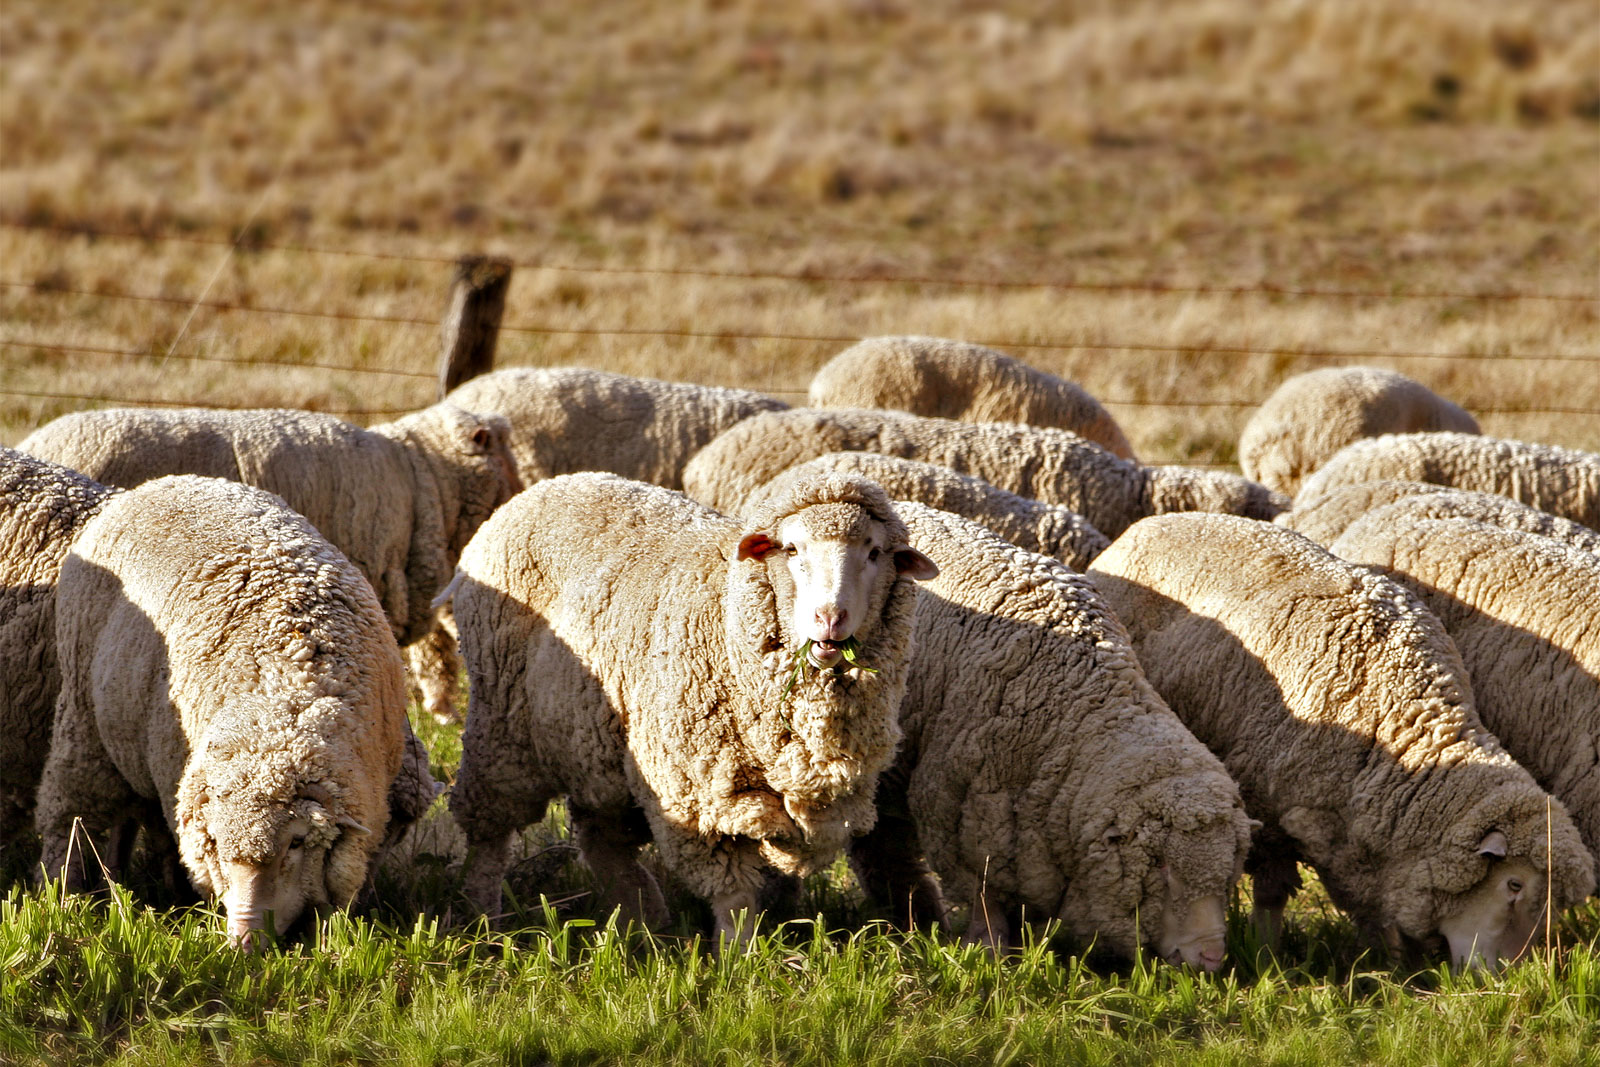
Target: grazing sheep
[400, 500]
[643, 656]
[1524, 611]
[1040, 770]
[1048, 529]
[42, 508]
[1561, 481]
[1340, 706]
[957, 380]
[1329, 515]
[1313, 415]
[1053, 466]
[226, 672]
[569, 419]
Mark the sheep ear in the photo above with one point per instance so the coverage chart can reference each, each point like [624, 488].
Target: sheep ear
[345, 822]
[1493, 844]
[913, 564]
[755, 545]
[482, 440]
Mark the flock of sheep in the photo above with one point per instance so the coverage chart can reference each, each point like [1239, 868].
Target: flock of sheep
[941, 621]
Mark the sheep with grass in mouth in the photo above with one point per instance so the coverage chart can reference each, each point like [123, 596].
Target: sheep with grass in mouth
[726, 689]
[1343, 710]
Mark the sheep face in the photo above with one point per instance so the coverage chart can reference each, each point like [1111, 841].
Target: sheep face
[1496, 920]
[835, 567]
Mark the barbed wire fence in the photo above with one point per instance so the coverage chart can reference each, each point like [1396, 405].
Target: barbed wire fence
[11, 337]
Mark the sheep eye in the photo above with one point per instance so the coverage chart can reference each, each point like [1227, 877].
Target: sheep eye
[790, 550]
[296, 842]
[872, 556]
[1514, 884]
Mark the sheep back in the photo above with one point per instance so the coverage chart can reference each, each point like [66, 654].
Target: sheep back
[1561, 481]
[1524, 611]
[569, 419]
[1342, 709]
[1048, 529]
[1311, 416]
[1326, 518]
[43, 506]
[957, 380]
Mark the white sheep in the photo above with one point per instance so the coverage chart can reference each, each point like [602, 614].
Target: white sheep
[1049, 529]
[636, 652]
[42, 508]
[1561, 481]
[569, 419]
[1311, 416]
[1340, 706]
[1040, 771]
[1524, 611]
[1326, 517]
[1049, 465]
[227, 673]
[958, 380]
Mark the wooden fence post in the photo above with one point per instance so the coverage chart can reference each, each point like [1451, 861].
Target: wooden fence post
[472, 320]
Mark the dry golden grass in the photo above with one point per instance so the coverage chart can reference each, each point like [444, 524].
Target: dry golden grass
[1449, 146]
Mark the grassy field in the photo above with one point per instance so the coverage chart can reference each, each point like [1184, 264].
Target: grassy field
[1175, 204]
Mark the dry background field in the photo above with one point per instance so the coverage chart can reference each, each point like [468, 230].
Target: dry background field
[1132, 158]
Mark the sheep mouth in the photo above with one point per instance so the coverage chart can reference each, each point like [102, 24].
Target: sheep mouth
[824, 654]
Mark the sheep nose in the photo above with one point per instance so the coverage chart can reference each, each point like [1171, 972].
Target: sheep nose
[831, 623]
[1210, 960]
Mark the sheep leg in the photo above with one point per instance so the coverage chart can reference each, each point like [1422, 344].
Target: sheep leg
[485, 868]
[1276, 880]
[610, 848]
[989, 925]
[434, 664]
[82, 799]
[889, 865]
[736, 912]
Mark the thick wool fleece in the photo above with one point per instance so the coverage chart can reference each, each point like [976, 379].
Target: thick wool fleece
[1039, 767]
[42, 508]
[1048, 529]
[569, 419]
[1327, 517]
[1561, 481]
[621, 655]
[221, 659]
[1053, 466]
[1524, 611]
[1342, 709]
[957, 380]
[1313, 415]
[400, 500]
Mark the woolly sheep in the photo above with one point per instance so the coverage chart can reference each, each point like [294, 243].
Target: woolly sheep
[1313, 415]
[1561, 481]
[635, 652]
[1048, 529]
[1342, 709]
[223, 663]
[569, 419]
[1039, 768]
[400, 499]
[1524, 611]
[1052, 466]
[1329, 515]
[957, 380]
[42, 508]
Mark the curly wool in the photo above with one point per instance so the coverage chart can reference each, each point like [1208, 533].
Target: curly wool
[1342, 709]
[42, 508]
[958, 380]
[1311, 416]
[1049, 465]
[1561, 481]
[1326, 517]
[1524, 611]
[614, 616]
[569, 419]
[1040, 769]
[226, 670]
[400, 499]
[1048, 529]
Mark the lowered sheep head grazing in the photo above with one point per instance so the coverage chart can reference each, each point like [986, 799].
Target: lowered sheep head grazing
[260, 831]
[472, 464]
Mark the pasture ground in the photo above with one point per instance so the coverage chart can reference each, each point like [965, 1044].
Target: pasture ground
[1175, 204]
